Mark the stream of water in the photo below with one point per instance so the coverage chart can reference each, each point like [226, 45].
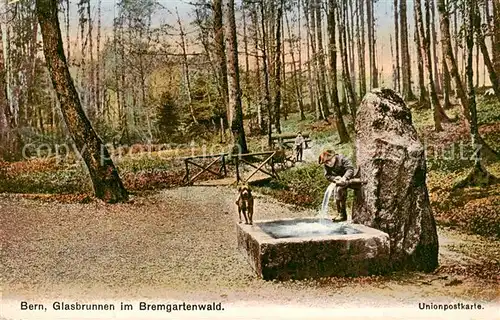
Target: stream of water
[323, 214]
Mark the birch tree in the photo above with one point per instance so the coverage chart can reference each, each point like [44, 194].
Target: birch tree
[107, 184]
[233, 78]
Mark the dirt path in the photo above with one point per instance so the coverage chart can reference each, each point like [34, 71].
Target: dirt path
[181, 244]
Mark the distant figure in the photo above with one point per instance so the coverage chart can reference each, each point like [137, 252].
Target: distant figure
[339, 170]
[299, 146]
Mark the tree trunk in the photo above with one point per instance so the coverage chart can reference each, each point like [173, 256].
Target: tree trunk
[277, 63]
[83, 57]
[220, 52]
[296, 81]
[124, 121]
[435, 58]
[317, 72]
[68, 42]
[494, 77]
[98, 69]
[339, 121]
[371, 44]
[299, 80]
[351, 96]
[233, 79]
[478, 175]
[186, 70]
[247, 64]
[496, 36]
[92, 104]
[450, 58]
[255, 23]
[118, 87]
[405, 53]
[267, 94]
[361, 48]
[397, 79]
[446, 84]
[424, 46]
[4, 108]
[310, 76]
[352, 45]
[423, 97]
[107, 183]
[321, 61]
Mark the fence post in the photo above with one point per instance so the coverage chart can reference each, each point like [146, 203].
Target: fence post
[187, 169]
[224, 165]
[237, 163]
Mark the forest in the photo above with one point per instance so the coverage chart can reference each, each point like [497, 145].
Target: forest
[107, 80]
[110, 109]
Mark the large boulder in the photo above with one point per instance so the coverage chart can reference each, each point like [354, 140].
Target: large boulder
[394, 199]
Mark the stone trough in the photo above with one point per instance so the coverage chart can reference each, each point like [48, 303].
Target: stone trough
[312, 248]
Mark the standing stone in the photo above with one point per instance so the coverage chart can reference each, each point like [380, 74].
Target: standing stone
[395, 200]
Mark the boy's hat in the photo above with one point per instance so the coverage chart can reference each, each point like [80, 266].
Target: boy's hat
[326, 156]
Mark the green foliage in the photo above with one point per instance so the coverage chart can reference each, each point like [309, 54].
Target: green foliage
[168, 119]
[488, 110]
[455, 157]
[302, 186]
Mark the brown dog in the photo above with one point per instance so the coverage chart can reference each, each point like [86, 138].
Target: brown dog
[245, 204]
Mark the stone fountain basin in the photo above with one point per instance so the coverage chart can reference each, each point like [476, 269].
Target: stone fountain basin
[301, 248]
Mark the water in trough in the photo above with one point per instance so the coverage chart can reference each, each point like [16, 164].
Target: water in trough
[305, 228]
[322, 226]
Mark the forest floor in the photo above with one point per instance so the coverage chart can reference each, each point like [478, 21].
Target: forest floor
[181, 244]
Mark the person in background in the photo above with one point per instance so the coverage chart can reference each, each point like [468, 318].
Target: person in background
[339, 170]
[299, 146]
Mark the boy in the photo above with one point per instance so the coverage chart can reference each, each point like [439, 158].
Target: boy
[339, 170]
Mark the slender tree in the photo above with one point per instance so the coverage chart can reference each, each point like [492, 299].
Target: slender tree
[233, 79]
[433, 36]
[423, 97]
[339, 121]
[348, 87]
[424, 46]
[186, 69]
[107, 183]
[446, 83]
[478, 175]
[245, 47]
[90, 37]
[481, 44]
[496, 36]
[321, 60]
[311, 73]
[297, 83]
[405, 53]
[220, 52]
[371, 44]
[277, 63]
[4, 108]
[299, 69]
[396, 43]
[98, 69]
[265, 71]
[451, 63]
[255, 23]
[317, 75]
[361, 47]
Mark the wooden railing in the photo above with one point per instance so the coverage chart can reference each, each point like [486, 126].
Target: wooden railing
[268, 159]
[221, 173]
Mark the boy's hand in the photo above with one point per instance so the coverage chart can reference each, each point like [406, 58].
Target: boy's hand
[340, 180]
